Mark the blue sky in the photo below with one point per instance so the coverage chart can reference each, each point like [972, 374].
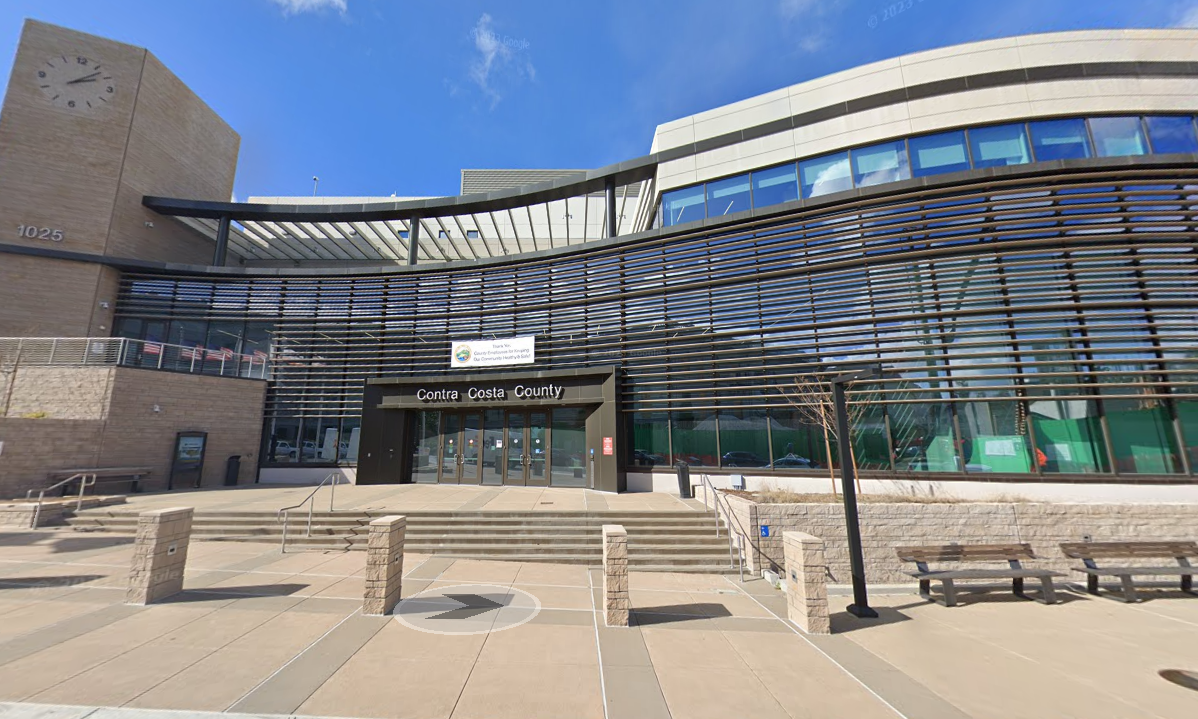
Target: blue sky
[395, 96]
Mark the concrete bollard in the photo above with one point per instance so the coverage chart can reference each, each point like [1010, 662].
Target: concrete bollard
[616, 604]
[384, 565]
[806, 582]
[159, 555]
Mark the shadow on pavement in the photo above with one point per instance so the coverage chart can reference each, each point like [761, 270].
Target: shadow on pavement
[48, 582]
[224, 594]
[648, 616]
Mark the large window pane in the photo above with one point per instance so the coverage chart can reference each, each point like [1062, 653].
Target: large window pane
[938, 154]
[871, 450]
[923, 438]
[797, 444]
[1142, 437]
[684, 205]
[729, 195]
[1187, 414]
[283, 443]
[775, 185]
[1118, 136]
[694, 438]
[744, 439]
[994, 438]
[568, 462]
[999, 146]
[1069, 434]
[881, 163]
[1172, 134]
[825, 175]
[650, 435]
[1059, 140]
[427, 446]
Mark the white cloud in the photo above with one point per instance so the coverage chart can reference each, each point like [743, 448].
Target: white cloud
[806, 18]
[293, 7]
[496, 57]
[1188, 17]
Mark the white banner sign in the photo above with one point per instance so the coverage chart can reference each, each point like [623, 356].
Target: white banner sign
[491, 353]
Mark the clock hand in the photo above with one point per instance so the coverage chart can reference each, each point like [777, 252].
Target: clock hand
[85, 78]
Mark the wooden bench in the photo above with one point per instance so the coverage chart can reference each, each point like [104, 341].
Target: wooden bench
[133, 475]
[1090, 551]
[1012, 554]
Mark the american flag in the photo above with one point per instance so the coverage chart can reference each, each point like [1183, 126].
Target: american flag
[152, 348]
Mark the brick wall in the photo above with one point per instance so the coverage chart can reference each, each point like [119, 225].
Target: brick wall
[228, 409]
[104, 417]
[33, 447]
[886, 526]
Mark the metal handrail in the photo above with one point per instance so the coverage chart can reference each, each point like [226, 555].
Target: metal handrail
[84, 483]
[730, 518]
[282, 515]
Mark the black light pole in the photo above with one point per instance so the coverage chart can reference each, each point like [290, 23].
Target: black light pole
[860, 606]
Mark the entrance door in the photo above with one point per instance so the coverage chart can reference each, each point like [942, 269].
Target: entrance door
[527, 451]
[461, 448]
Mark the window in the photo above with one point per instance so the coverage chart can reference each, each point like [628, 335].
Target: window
[1171, 134]
[999, 146]
[442, 234]
[825, 175]
[1059, 140]
[727, 196]
[881, 163]
[471, 234]
[938, 154]
[403, 234]
[775, 185]
[1118, 136]
[684, 205]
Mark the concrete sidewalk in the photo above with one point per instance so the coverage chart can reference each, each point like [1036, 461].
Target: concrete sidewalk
[257, 632]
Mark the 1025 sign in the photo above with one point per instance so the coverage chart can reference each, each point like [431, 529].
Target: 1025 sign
[39, 233]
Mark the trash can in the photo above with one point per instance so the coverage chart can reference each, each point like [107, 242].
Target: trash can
[684, 480]
[232, 469]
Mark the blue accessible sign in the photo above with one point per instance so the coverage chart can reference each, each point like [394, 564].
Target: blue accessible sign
[765, 530]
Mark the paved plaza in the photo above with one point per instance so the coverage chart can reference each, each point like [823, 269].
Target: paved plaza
[259, 632]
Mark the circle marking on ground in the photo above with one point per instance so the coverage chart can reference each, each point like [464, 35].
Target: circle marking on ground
[467, 609]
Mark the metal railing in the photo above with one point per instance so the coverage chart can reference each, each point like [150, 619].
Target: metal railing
[16, 352]
[716, 507]
[283, 514]
[85, 480]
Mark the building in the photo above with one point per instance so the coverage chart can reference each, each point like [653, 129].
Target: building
[1008, 228]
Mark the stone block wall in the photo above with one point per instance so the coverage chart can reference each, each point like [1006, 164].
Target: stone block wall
[806, 582]
[384, 564]
[159, 555]
[105, 417]
[616, 602]
[886, 526]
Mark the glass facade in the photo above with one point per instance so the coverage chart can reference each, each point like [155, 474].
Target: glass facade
[935, 154]
[1028, 329]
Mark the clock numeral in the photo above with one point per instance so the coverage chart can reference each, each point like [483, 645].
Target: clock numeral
[81, 60]
[41, 73]
[70, 103]
[110, 89]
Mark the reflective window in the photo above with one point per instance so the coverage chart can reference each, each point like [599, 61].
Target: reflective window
[994, 438]
[727, 196]
[693, 434]
[825, 175]
[938, 154]
[999, 146]
[684, 205]
[650, 439]
[1172, 134]
[1068, 436]
[798, 444]
[744, 440]
[881, 163]
[775, 185]
[1142, 437]
[1059, 140]
[1118, 136]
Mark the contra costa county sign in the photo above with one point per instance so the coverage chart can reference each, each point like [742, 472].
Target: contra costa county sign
[491, 353]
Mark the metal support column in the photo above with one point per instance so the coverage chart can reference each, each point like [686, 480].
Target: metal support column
[609, 189]
[860, 607]
[222, 242]
[413, 239]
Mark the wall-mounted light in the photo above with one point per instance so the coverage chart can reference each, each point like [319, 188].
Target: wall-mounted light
[103, 304]
[149, 224]
[157, 409]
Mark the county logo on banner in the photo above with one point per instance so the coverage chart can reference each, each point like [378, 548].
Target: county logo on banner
[492, 353]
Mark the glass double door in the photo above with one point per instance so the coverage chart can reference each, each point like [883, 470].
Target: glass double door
[492, 447]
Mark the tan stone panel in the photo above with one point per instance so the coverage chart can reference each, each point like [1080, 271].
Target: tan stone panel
[29, 310]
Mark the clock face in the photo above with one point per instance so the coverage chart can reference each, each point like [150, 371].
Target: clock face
[75, 82]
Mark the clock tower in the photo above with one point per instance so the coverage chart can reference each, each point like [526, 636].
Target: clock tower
[88, 127]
